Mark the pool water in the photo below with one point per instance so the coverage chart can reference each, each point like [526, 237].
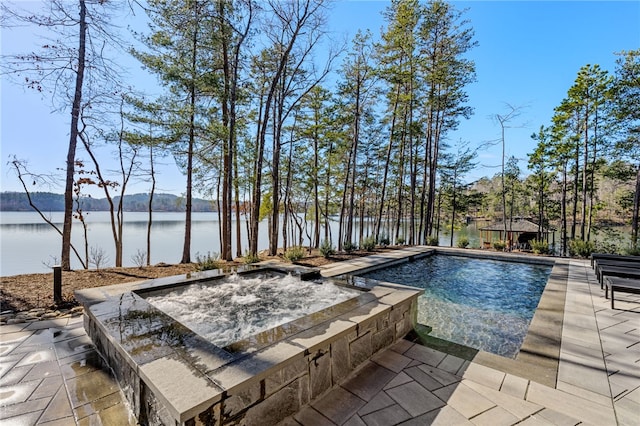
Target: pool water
[483, 304]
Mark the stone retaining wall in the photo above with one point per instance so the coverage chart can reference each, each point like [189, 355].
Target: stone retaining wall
[171, 376]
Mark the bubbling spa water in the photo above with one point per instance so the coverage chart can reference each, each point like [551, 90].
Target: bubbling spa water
[234, 308]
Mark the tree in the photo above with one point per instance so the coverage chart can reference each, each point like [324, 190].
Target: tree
[66, 70]
[561, 146]
[589, 95]
[356, 92]
[457, 165]
[539, 163]
[399, 68]
[181, 54]
[316, 128]
[233, 32]
[626, 90]
[444, 41]
[293, 23]
[145, 117]
[504, 121]
[512, 177]
[127, 162]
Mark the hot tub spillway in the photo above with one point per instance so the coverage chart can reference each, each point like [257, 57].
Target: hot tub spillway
[172, 375]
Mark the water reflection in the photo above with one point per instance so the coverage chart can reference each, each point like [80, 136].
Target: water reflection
[28, 243]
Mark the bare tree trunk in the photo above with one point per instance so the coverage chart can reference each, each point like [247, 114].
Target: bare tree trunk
[401, 166]
[254, 214]
[412, 167]
[186, 249]
[563, 207]
[219, 207]
[354, 162]
[344, 237]
[233, 95]
[585, 155]
[593, 172]
[386, 165]
[541, 206]
[453, 205]
[575, 189]
[150, 209]
[275, 172]
[288, 209]
[413, 161]
[439, 212]
[327, 187]
[422, 231]
[65, 257]
[80, 216]
[316, 184]
[227, 150]
[636, 212]
[236, 187]
[503, 189]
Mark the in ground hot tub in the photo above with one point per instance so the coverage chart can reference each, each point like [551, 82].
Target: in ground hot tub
[171, 374]
[237, 306]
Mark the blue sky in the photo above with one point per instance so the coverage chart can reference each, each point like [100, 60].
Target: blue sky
[528, 56]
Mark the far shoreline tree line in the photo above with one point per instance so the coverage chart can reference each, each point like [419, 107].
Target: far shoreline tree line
[253, 122]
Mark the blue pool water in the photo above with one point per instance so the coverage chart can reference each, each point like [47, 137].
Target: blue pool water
[483, 304]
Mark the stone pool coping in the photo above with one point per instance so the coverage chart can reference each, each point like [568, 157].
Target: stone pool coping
[539, 355]
[170, 374]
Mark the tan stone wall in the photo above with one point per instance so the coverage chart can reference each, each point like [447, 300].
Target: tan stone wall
[285, 392]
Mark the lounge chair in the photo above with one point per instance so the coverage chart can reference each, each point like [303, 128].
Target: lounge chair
[616, 271]
[624, 285]
[596, 256]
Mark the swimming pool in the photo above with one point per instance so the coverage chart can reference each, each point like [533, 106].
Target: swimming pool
[480, 303]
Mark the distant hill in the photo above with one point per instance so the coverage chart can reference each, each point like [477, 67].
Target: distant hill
[50, 202]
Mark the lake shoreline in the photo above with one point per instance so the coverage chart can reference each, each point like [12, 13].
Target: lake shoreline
[28, 292]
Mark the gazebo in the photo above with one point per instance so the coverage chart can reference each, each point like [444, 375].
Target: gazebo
[519, 233]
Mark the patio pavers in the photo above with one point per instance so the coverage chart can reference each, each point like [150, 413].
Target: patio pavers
[47, 376]
[56, 377]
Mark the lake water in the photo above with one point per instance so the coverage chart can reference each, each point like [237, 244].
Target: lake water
[29, 245]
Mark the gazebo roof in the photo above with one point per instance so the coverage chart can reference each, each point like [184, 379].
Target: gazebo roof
[518, 225]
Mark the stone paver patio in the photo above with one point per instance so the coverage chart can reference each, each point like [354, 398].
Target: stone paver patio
[51, 374]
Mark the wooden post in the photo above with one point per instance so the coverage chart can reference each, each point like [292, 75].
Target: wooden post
[57, 284]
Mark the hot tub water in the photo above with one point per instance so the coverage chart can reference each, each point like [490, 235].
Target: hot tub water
[234, 308]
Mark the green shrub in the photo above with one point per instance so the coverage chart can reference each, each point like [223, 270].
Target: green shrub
[294, 254]
[463, 242]
[348, 246]
[608, 240]
[368, 244]
[384, 240]
[432, 241]
[249, 258]
[326, 249]
[400, 241]
[632, 251]
[539, 247]
[499, 245]
[581, 248]
[208, 262]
